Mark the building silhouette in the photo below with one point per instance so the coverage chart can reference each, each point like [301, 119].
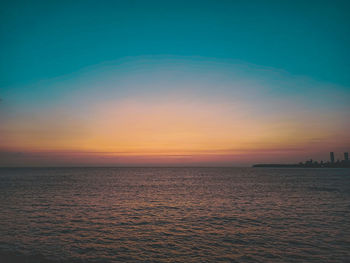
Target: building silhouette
[313, 164]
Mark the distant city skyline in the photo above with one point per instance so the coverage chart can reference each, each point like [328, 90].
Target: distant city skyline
[124, 83]
[311, 163]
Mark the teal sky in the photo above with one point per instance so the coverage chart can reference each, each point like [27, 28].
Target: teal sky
[46, 39]
[290, 54]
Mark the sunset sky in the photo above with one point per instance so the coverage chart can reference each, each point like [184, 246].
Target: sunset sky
[173, 82]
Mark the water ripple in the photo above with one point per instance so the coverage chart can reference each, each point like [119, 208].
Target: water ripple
[174, 215]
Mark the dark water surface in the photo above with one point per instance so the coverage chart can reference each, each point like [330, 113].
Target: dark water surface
[174, 215]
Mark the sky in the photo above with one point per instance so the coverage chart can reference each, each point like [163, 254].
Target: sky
[183, 83]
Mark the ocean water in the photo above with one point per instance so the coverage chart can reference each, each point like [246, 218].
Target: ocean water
[174, 215]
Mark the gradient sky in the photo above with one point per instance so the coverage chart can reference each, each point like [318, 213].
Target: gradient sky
[173, 82]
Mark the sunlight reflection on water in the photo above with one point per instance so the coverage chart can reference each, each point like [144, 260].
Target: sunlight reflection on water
[175, 214]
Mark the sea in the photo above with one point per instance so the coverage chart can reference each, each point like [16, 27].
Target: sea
[174, 215]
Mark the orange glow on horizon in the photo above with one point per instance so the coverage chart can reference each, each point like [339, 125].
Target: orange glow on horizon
[144, 131]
